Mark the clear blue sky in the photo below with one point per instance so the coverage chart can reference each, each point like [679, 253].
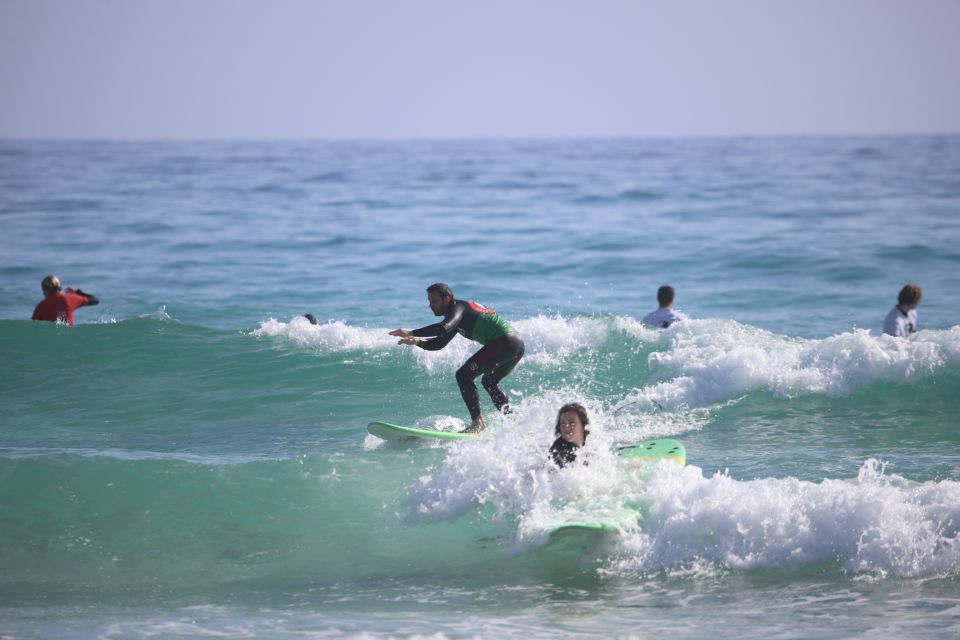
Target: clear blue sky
[484, 68]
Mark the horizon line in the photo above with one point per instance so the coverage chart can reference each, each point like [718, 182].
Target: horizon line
[478, 138]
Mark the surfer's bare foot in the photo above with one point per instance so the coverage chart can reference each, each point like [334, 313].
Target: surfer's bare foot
[475, 427]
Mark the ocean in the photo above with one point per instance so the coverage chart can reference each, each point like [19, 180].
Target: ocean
[191, 458]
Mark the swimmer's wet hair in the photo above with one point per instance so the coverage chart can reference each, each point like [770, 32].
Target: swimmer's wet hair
[577, 408]
[51, 283]
[665, 294]
[910, 294]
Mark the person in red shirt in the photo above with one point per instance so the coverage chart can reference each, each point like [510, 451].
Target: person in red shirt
[58, 306]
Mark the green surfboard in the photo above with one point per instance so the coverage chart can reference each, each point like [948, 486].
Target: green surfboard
[662, 449]
[628, 516]
[388, 431]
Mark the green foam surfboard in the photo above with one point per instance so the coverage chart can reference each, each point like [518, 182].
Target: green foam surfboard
[628, 516]
[662, 449]
[389, 431]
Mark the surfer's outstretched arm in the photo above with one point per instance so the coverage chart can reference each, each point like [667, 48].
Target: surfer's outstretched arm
[434, 344]
[446, 328]
[440, 333]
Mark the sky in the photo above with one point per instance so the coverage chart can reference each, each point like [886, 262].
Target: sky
[425, 69]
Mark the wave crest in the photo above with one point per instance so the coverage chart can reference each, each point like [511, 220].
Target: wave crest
[708, 361]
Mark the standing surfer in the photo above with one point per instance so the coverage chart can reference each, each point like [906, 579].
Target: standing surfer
[501, 351]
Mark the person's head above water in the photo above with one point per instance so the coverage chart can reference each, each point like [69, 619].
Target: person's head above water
[440, 297]
[572, 423]
[665, 295]
[312, 318]
[910, 297]
[50, 285]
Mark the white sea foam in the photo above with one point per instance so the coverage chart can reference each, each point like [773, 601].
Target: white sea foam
[709, 361]
[507, 473]
[508, 467]
[878, 523]
[548, 340]
[875, 523]
[333, 336]
[695, 364]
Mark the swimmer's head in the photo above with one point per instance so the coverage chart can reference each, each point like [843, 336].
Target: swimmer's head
[50, 284]
[665, 295]
[578, 411]
[312, 318]
[910, 296]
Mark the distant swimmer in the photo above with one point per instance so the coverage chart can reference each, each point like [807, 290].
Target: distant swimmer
[665, 315]
[571, 433]
[312, 318]
[902, 319]
[58, 306]
[501, 351]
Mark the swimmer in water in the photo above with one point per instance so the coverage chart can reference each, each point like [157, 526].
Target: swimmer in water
[571, 431]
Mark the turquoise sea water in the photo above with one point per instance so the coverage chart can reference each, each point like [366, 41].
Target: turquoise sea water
[191, 458]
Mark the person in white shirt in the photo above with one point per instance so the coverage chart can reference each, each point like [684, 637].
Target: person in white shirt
[902, 319]
[665, 315]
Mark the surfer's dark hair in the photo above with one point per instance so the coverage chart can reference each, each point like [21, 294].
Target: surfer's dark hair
[665, 295]
[441, 288]
[577, 408]
[910, 294]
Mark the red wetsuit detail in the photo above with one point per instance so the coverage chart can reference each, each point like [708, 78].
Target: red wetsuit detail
[479, 308]
[60, 307]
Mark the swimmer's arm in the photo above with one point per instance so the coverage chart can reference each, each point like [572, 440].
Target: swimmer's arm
[91, 299]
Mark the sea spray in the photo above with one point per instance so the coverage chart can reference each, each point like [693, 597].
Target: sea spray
[875, 523]
[710, 361]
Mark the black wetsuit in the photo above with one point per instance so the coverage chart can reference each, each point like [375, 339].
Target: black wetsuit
[563, 452]
[502, 350]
